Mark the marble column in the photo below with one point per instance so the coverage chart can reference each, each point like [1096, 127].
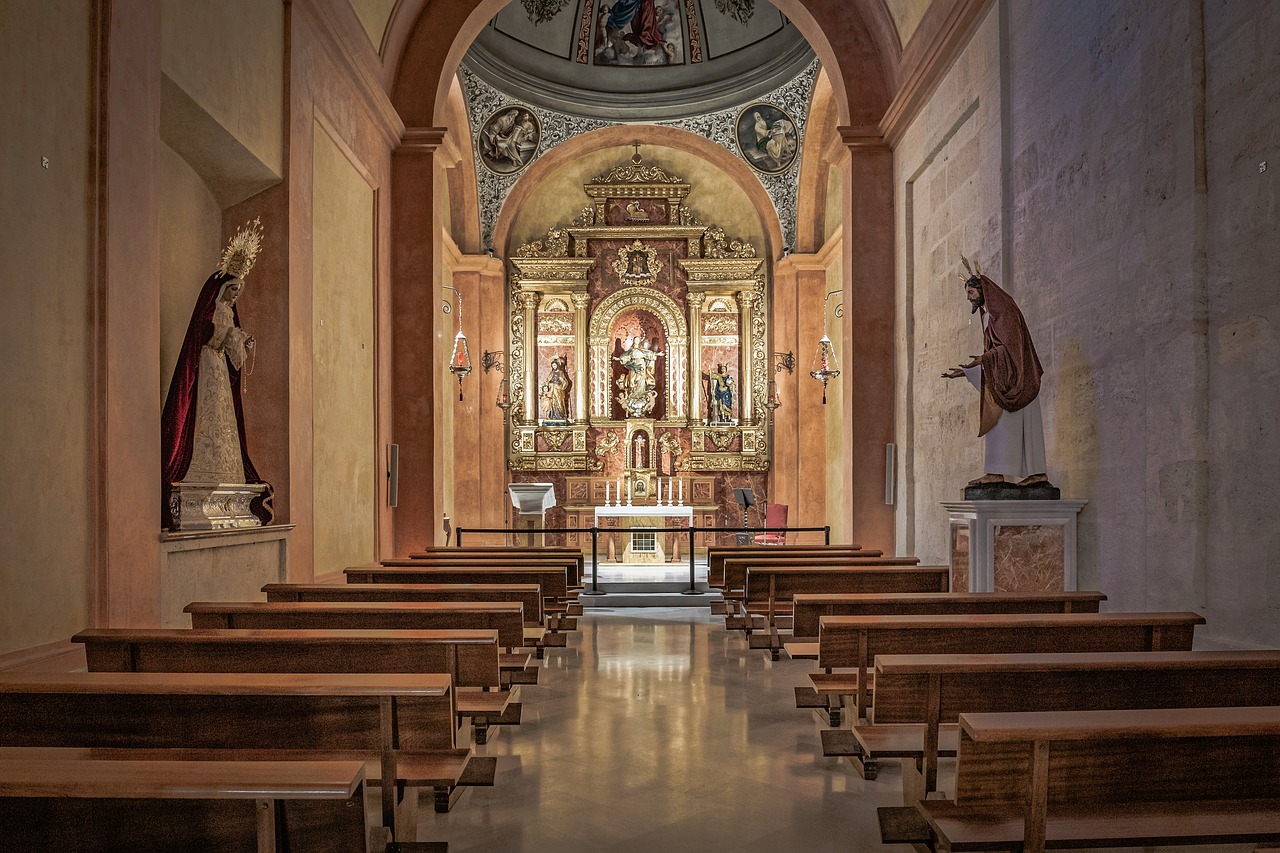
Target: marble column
[697, 409]
[580, 302]
[746, 343]
[529, 302]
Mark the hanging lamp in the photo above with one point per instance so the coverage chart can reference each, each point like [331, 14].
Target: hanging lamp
[460, 358]
[825, 364]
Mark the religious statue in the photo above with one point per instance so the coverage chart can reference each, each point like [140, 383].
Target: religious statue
[555, 393]
[639, 391]
[202, 426]
[722, 395]
[1007, 375]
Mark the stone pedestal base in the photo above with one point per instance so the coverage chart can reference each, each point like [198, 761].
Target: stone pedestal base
[529, 521]
[229, 565]
[213, 506]
[1013, 546]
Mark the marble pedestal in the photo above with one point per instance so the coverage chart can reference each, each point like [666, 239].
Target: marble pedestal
[1013, 546]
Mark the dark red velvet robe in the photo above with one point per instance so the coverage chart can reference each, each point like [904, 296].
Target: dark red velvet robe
[178, 421]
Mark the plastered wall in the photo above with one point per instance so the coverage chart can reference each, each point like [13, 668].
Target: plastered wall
[190, 223]
[1131, 138]
[346, 455]
[46, 302]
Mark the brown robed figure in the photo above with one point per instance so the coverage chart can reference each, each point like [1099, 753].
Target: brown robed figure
[1011, 369]
[1007, 375]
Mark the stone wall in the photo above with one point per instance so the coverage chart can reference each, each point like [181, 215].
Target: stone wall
[1138, 217]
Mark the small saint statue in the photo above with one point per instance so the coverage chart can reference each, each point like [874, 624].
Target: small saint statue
[722, 395]
[555, 393]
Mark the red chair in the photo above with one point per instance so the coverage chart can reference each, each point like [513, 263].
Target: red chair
[775, 515]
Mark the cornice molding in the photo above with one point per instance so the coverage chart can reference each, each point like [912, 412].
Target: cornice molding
[422, 140]
[819, 261]
[344, 39]
[937, 42]
[862, 137]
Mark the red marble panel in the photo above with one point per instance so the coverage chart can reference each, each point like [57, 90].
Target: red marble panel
[960, 557]
[613, 462]
[1029, 558]
[637, 211]
[667, 460]
[604, 280]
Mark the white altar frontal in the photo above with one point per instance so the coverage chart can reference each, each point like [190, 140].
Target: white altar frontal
[645, 527]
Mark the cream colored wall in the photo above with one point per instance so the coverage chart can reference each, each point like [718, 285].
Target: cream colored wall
[449, 384]
[834, 215]
[715, 199]
[228, 57]
[189, 238]
[947, 202]
[374, 15]
[46, 302]
[906, 16]
[838, 481]
[345, 453]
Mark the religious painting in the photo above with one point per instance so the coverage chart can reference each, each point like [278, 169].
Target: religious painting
[638, 33]
[767, 138]
[508, 140]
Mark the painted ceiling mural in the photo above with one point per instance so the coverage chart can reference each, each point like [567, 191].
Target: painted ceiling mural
[510, 133]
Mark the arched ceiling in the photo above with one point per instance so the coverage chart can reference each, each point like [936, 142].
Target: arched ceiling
[599, 59]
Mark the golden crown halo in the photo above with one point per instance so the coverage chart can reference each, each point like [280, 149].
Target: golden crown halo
[242, 251]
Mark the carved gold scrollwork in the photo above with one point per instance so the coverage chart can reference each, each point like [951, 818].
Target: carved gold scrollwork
[722, 438]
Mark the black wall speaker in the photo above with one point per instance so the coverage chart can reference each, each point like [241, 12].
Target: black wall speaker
[393, 474]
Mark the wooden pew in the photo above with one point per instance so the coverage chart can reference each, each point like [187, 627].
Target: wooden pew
[807, 608]
[403, 723]
[571, 563]
[505, 617]
[552, 580]
[519, 551]
[516, 667]
[851, 643]
[469, 658]
[919, 698]
[717, 554]
[735, 591]
[769, 590]
[57, 799]
[1152, 777]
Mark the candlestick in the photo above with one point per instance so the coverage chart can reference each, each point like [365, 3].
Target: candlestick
[682, 491]
[606, 493]
[628, 491]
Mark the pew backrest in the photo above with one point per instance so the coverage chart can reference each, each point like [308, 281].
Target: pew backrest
[736, 568]
[553, 581]
[808, 608]
[505, 617]
[528, 594]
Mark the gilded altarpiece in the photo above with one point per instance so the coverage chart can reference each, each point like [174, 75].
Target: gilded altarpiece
[637, 355]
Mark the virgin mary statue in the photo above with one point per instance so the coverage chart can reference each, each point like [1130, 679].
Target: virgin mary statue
[208, 480]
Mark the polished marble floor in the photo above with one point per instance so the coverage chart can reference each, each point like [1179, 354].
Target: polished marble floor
[658, 730]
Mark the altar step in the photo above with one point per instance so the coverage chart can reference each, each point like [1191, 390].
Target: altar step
[647, 597]
[661, 585]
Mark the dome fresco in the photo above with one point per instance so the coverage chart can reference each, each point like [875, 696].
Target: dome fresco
[638, 60]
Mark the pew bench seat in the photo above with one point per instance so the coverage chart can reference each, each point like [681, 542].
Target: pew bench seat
[1103, 825]
[866, 746]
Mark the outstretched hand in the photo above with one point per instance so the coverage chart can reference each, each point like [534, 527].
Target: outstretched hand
[953, 373]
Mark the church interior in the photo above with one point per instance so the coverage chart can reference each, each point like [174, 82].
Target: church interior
[697, 268]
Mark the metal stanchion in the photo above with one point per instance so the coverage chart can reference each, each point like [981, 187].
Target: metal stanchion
[595, 564]
[693, 587]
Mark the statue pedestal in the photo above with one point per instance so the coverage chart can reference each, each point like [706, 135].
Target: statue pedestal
[531, 502]
[1013, 546]
[213, 506]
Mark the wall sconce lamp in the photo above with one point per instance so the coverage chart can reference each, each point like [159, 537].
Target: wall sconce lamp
[460, 358]
[504, 396]
[825, 365]
[784, 361]
[772, 401]
[493, 361]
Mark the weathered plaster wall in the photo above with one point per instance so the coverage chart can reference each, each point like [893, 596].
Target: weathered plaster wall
[346, 455]
[947, 199]
[46, 505]
[228, 57]
[191, 225]
[373, 16]
[1138, 224]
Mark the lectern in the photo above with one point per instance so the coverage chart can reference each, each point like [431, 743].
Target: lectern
[531, 502]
